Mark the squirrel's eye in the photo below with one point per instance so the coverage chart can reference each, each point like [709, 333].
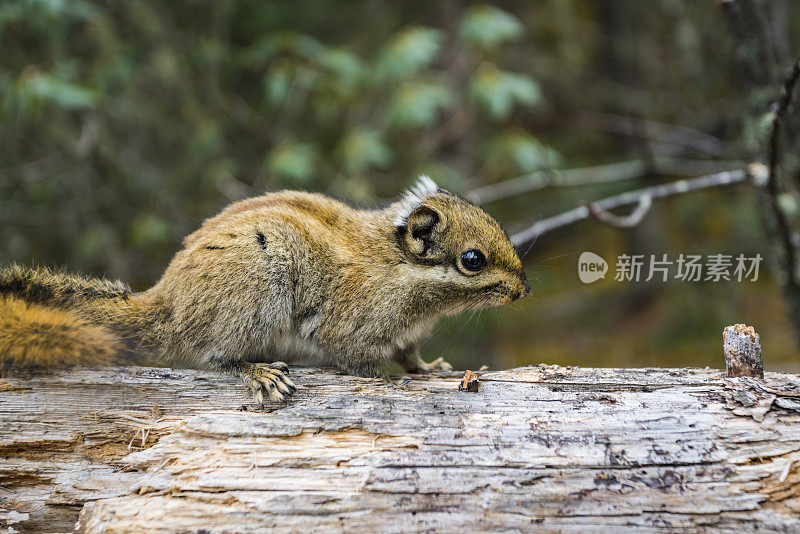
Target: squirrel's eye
[473, 260]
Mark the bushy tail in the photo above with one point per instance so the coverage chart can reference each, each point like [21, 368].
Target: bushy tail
[46, 319]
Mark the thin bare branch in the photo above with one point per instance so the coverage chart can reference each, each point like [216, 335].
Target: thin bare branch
[662, 132]
[581, 176]
[625, 170]
[626, 221]
[755, 171]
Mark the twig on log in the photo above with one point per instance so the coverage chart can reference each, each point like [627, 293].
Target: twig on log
[580, 176]
[755, 172]
[742, 347]
[469, 382]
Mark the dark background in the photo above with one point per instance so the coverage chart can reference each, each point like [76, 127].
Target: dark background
[124, 124]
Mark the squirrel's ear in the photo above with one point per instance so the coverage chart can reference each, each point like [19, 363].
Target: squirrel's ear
[413, 199]
[418, 235]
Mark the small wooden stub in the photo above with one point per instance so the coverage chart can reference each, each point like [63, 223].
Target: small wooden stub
[469, 382]
[742, 348]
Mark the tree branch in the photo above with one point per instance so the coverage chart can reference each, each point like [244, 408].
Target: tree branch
[613, 172]
[758, 52]
[756, 171]
[662, 132]
[628, 221]
[773, 187]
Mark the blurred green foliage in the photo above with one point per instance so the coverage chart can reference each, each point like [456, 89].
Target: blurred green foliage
[124, 124]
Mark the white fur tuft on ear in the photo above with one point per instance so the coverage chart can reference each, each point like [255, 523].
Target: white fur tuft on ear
[412, 199]
[424, 186]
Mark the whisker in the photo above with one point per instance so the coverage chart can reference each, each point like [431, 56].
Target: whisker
[451, 346]
[465, 324]
[553, 258]
[448, 320]
[535, 239]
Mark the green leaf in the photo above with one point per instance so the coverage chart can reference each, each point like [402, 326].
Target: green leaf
[341, 74]
[40, 86]
[362, 148]
[408, 52]
[417, 104]
[486, 27]
[278, 81]
[525, 152]
[342, 63]
[497, 91]
[294, 161]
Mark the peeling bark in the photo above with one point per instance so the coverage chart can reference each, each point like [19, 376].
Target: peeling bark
[551, 448]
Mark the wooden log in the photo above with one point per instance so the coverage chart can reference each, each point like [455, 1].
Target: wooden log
[547, 448]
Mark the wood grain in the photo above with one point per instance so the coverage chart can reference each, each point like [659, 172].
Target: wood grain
[547, 448]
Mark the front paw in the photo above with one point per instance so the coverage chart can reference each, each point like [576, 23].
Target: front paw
[268, 380]
[436, 365]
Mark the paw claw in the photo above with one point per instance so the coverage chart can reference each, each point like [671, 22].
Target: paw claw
[280, 366]
[268, 380]
[258, 397]
[275, 395]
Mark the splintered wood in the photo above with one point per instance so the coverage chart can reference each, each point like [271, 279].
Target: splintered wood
[742, 347]
[469, 382]
[535, 449]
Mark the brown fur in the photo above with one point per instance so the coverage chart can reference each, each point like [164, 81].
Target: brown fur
[42, 336]
[286, 275]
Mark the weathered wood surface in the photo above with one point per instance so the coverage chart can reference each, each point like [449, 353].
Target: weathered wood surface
[541, 448]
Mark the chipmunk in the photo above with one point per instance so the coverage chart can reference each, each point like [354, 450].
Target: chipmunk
[280, 276]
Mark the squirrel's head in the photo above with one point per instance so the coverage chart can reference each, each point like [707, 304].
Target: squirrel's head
[475, 263]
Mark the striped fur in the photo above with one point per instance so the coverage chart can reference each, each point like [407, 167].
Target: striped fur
[42, 285]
